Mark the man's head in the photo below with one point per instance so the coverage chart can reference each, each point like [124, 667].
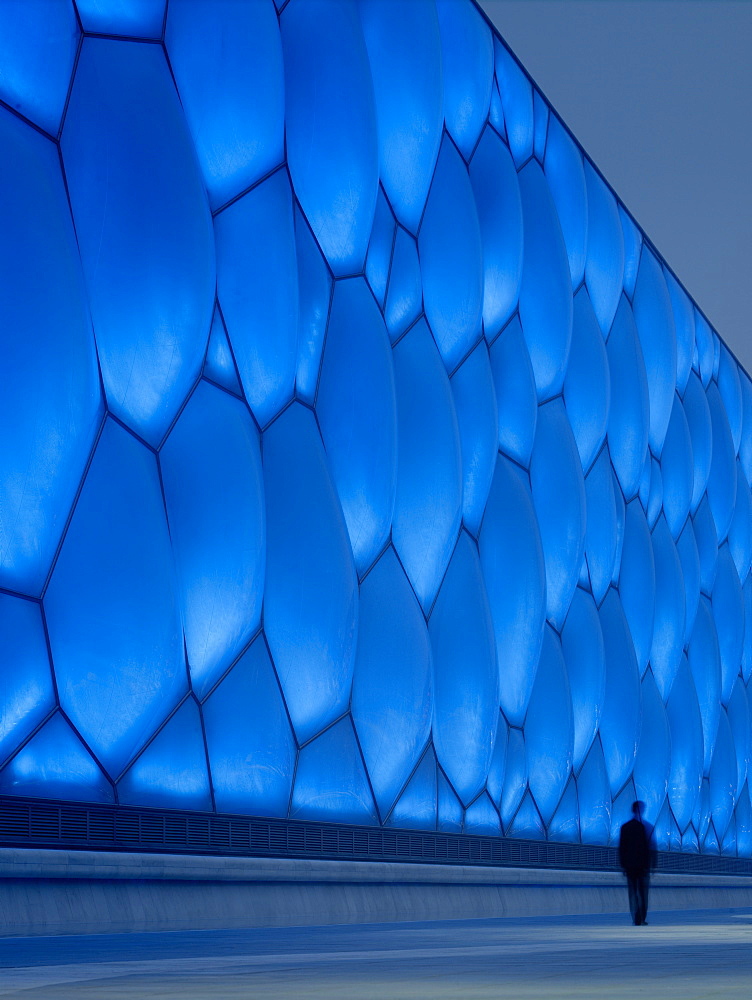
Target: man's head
[637, 808]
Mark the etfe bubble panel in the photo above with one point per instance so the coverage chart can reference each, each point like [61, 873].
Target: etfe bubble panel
[362, 461]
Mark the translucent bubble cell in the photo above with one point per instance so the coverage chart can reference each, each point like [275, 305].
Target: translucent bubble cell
[330, 115]
[214, 491]
[466, 676]
[227, 61]
[560, 505]
[404, 51]
[467, 59]
[249, 740]
[428, 502]
[37, 66]
[517, 100]
[451, 258]
[513, 565]
[584, 653]
[26, 685]
[311, 596]
[50, 399]
[497, 196]
[117, 683]
[363, 462]
[549, 728]
[331, 781]
[655, 325]
[566, 179]
[172, 770]
[359, 424]
[587, 386]
[143, 227]
[546, 318]
[604, 264]
[629, 414]
[393, 680]
[257, 284]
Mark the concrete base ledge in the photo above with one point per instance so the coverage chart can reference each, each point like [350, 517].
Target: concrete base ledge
[84, 892]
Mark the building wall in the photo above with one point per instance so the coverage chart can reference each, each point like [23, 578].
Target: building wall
[362, 459]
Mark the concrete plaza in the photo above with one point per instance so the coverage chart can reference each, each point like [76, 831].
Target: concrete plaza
[692, 955]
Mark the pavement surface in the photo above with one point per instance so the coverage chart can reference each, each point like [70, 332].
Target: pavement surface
[689, 955]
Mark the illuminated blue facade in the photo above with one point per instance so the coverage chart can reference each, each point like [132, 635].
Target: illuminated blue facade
[361, 461]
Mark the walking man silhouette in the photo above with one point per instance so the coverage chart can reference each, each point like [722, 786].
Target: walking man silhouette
[635, 857]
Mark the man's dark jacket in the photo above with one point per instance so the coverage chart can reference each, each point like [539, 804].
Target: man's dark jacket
[634, 847]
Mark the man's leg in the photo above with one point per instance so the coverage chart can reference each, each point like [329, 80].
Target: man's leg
[632, 889]
[644, 890]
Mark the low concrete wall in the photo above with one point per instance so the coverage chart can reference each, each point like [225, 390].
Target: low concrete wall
[83, 892]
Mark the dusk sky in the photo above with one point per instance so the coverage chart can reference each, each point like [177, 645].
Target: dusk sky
[659, 93]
